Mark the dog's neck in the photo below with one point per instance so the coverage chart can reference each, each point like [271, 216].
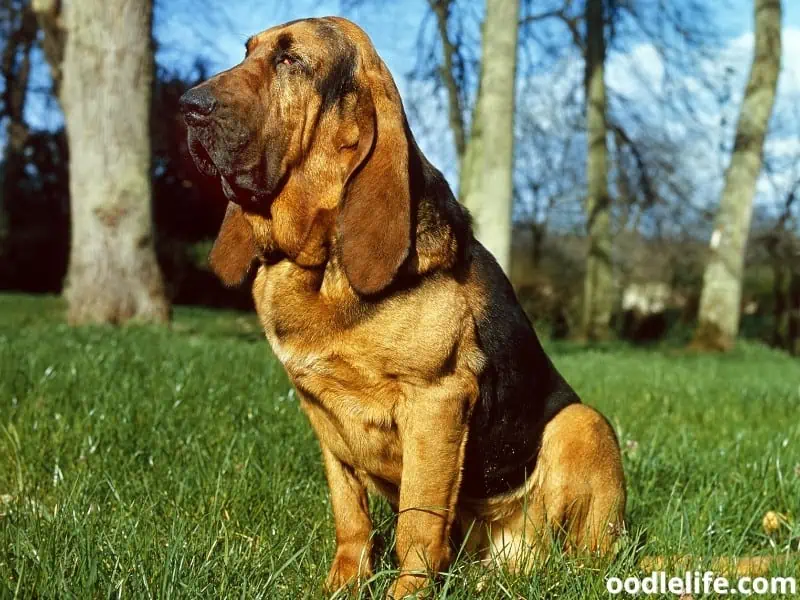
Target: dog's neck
[442, 227]
[292, 229]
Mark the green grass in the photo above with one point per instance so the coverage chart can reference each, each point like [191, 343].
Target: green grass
[154, 463]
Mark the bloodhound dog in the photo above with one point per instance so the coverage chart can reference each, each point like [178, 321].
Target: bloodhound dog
[412, 359]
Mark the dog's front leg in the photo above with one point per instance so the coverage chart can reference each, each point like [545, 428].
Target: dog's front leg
[434, 439]
[353, 559]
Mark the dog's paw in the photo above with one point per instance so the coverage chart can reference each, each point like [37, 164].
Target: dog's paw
[409, 586]
[346, 573]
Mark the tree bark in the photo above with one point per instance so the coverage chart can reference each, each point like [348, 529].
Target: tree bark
[469, 175]
[598, 289]
[719, 315]
[486, 177]
[113, 274]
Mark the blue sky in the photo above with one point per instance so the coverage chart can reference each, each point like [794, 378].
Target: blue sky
[220, 37]
[216, 31]
[219, 34]
[186, 30]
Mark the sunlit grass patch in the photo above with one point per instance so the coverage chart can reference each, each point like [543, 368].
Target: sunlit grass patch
[142, 462]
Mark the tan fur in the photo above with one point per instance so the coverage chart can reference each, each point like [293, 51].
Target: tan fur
[576, 491]
[388, 378]
[387, 410]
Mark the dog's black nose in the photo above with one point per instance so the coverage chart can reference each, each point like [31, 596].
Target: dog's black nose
[198, 102]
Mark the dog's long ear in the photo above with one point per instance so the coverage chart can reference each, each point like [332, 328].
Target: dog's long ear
[235, 249]
[374, 228]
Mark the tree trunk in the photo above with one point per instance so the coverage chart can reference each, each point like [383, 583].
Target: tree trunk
[486, 177]
[113, 274]
[718, 319]
[469, 175]
[598, 289]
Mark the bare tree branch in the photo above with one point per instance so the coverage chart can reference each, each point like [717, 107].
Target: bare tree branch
[441, 9]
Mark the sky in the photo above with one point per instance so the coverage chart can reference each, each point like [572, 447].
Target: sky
[216, 31]
[184, 32]
[220, 35]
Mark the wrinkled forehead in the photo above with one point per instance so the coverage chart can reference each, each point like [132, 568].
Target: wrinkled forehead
[315, 40]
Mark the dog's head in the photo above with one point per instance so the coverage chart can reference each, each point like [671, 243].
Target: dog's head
[308, 130]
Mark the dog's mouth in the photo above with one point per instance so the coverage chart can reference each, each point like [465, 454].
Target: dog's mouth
[201, 157]
[231, 186]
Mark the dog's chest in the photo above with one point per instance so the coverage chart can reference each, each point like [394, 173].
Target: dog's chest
[357, 378]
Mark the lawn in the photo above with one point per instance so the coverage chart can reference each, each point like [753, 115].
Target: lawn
[155, 463]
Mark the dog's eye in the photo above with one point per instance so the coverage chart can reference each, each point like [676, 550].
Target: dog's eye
[286, 60]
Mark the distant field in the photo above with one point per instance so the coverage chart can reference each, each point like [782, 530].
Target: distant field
[148, 463]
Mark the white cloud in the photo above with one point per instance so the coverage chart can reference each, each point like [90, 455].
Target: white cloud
[636, 71]
[639, 74]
